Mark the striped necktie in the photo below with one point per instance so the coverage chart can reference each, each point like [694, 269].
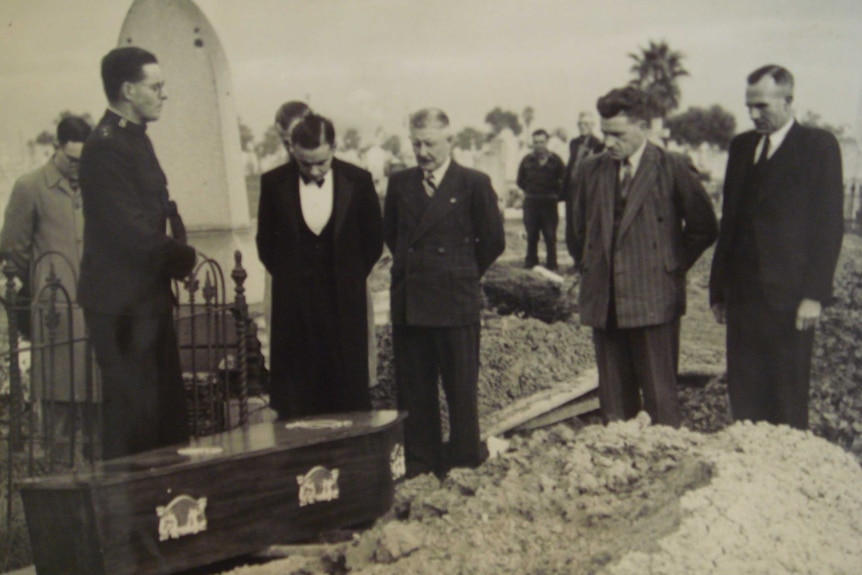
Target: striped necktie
[429, 184]
[625, 182]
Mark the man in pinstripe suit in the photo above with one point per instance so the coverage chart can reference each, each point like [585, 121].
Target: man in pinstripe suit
[642, 219]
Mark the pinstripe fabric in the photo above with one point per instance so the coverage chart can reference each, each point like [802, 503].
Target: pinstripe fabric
[667, 223]
[633, 359]
[441, 246]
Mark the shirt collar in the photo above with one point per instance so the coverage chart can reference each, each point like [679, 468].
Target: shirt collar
[54, 178]
[777, 137]
[441, 171]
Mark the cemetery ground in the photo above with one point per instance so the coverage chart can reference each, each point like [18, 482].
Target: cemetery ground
[626, 498]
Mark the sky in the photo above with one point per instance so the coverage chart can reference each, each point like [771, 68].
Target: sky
[368, 63]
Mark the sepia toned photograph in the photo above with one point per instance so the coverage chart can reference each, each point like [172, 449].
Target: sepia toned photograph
[296, 287]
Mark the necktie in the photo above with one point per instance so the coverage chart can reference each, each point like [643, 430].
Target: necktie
[626, 180]
[430, 185]
[764, 152]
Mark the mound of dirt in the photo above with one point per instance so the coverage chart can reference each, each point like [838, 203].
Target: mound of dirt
[518, 357]
[627, 498]
[511, 289]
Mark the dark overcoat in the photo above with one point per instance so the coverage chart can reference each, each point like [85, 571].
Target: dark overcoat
[357, 244]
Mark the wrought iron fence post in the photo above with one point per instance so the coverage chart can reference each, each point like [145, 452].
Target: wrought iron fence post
[16, 392]
[192, 284]
[240, 310]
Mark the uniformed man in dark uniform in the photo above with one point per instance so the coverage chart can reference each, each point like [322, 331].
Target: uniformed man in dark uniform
[129, 260]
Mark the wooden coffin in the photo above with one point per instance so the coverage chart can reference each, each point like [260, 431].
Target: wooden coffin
[217, 497]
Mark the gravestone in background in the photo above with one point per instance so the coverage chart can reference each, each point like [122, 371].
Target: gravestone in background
[197, 137]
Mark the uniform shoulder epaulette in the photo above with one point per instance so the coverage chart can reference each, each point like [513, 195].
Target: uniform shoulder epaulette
[106, 130]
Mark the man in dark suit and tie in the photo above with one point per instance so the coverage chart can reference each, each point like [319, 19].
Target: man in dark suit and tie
[319, 234]
[580, 148]
[641, 219]
[781, 233]
[443, 225]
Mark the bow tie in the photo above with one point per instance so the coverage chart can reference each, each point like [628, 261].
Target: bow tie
[308, 181]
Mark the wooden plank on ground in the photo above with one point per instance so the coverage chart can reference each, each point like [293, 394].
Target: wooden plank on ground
[572, 409]
[528, 408]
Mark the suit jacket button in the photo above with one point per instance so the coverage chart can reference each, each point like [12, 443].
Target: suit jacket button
[441, 250]
[410, 250]
[660, 219]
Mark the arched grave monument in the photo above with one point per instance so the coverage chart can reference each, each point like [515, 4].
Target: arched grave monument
[197, 137]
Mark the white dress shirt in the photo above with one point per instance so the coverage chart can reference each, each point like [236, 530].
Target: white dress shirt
[316, 202]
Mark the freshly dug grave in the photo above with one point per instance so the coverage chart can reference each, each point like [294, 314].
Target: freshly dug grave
[518, 357]
[628, 498]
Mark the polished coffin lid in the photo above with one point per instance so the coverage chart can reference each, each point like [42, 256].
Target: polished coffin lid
[246, 442]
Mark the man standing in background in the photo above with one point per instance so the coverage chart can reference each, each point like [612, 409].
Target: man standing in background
[781, 233]
[444, 229]
[43, 234]
[286, 117]
[540, 176]
[129, 261]
[580, 148]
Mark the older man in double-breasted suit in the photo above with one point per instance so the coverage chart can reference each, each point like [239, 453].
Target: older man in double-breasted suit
[642, 219]
[443, 225]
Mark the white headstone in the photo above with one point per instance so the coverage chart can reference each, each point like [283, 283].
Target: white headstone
[197, 137]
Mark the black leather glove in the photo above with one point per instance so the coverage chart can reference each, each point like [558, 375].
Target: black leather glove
[181, 260]
[175, 221]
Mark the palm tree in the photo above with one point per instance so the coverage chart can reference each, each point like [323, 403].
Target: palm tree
[656, 70]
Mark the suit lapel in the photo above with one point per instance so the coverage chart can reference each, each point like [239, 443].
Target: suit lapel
[414, 195]
[776, 165]
[742, 163]
[342, 190]
[440, 203]
[643, 182]
[607, 189]
[288, 191]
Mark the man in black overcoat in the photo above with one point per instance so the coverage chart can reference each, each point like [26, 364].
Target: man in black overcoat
[129, 260]
[781, 233]
[319, 235]
[444, 227]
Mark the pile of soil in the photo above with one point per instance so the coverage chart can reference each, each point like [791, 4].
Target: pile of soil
[627, 498]
[518, 357]
[836, 391]
[511, 289]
